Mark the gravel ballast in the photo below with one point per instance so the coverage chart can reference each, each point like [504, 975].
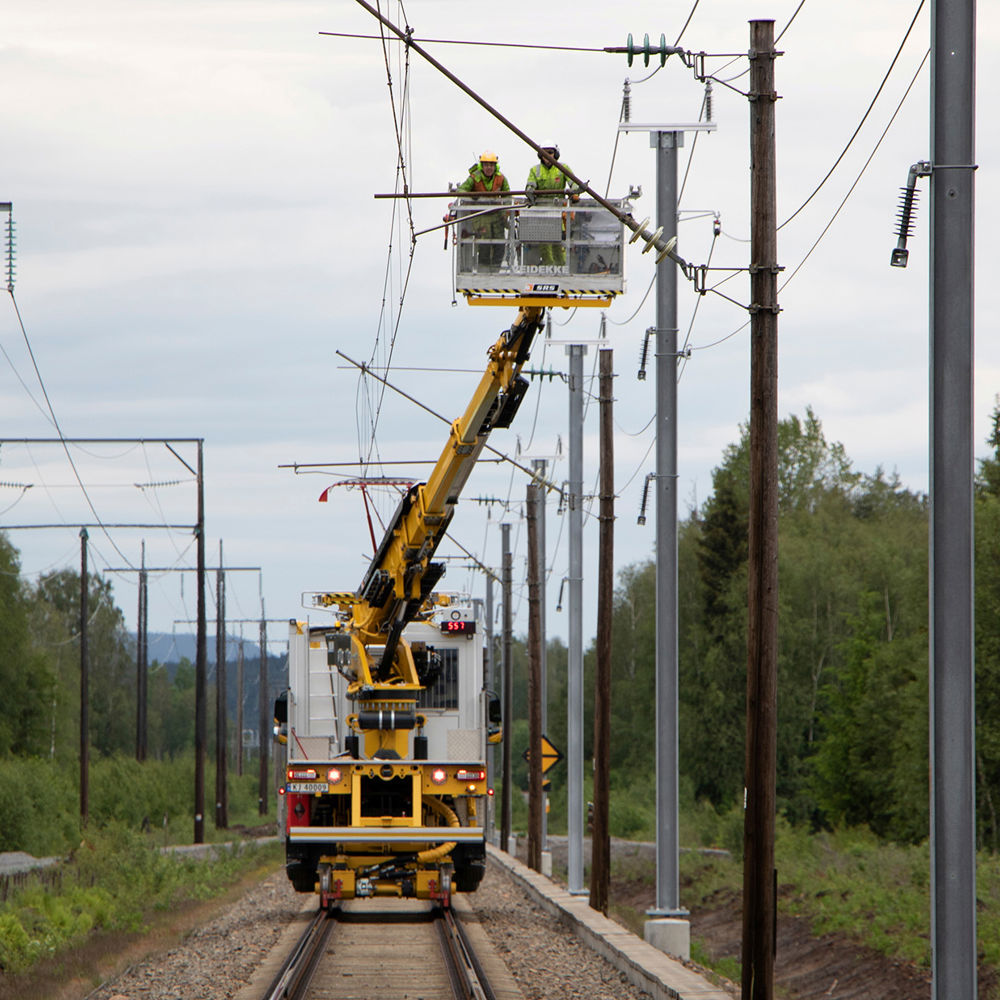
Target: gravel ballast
[548, 961]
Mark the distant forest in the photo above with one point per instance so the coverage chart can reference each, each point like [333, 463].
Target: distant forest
[853, 656]
[40, 671]
[853, 649]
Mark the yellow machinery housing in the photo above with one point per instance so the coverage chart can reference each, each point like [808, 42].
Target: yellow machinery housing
[368, 809]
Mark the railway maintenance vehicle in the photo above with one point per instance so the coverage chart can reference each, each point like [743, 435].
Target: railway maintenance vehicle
[386, 720]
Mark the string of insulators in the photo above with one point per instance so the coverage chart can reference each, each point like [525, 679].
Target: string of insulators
[541, 373]
[166, 482]
[642, 233]
[644, 354]
[662, 50]
[11, 243]
[708, 100]
[645, 498]
[627, 101]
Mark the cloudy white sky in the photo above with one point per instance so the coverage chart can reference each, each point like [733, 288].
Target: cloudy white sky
[192, 188]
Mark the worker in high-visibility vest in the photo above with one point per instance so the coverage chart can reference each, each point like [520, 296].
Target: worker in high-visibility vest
[490, 230]
[545, 177]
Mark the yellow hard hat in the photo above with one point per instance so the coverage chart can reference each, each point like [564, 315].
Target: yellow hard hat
[488, 157]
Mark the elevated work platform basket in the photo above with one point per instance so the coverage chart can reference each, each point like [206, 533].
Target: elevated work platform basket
[556, 252]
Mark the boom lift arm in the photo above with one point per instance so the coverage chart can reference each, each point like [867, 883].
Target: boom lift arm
[401, 575]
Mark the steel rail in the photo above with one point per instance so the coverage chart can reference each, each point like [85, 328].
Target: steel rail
[293, 978]
[467, 974]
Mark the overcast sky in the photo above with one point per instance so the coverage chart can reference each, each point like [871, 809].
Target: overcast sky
[192, 188]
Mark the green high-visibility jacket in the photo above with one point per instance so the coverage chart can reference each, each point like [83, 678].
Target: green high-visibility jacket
[478, 181]
[548, 178]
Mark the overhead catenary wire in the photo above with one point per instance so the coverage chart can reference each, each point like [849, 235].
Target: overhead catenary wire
[864, 117]
[837, 211]
[861, 173]
[788, 23]
[364, 368]
[55, 424]
[24, 385]
[505, 45]
[398, 117]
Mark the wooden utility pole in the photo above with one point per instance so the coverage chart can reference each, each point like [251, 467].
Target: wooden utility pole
[759, 875]
[221, 768]
[201, 665]
[508, 690]
[534, 685]
[265, 718]
[239, 708]
[600, 865]
[84, 685]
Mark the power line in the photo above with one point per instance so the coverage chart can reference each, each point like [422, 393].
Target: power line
[857, 180]
[398, 129]
[799, 266]
[460, 41]
[795, 14]
[55, 424]
[864, 117]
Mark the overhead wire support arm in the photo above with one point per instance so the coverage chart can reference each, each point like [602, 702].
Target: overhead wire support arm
[367, 370]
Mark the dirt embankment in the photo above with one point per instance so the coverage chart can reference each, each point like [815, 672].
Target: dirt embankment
[831, 967]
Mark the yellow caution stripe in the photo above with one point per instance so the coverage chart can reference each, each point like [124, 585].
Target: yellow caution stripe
[384, 834]
[540, 301]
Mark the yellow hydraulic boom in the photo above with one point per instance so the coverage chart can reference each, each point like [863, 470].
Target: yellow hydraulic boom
[385, 675]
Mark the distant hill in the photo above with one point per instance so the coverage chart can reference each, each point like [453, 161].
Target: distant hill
[169, 647]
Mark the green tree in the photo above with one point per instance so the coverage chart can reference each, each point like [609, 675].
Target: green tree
[25, 676]
[871, 766]
[171, 710]
[55, 612]
[987, 511]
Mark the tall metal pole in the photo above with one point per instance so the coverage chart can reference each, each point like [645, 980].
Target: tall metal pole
[952, 673]
[84, 685]
[508, 689]
[201, 665]
[539, 466]
[221, 757]
[574, 694]
[667, 841]
[142, 663]
[762, 553]
[264, 722]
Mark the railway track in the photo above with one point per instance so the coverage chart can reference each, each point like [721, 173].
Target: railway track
[391, 949]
